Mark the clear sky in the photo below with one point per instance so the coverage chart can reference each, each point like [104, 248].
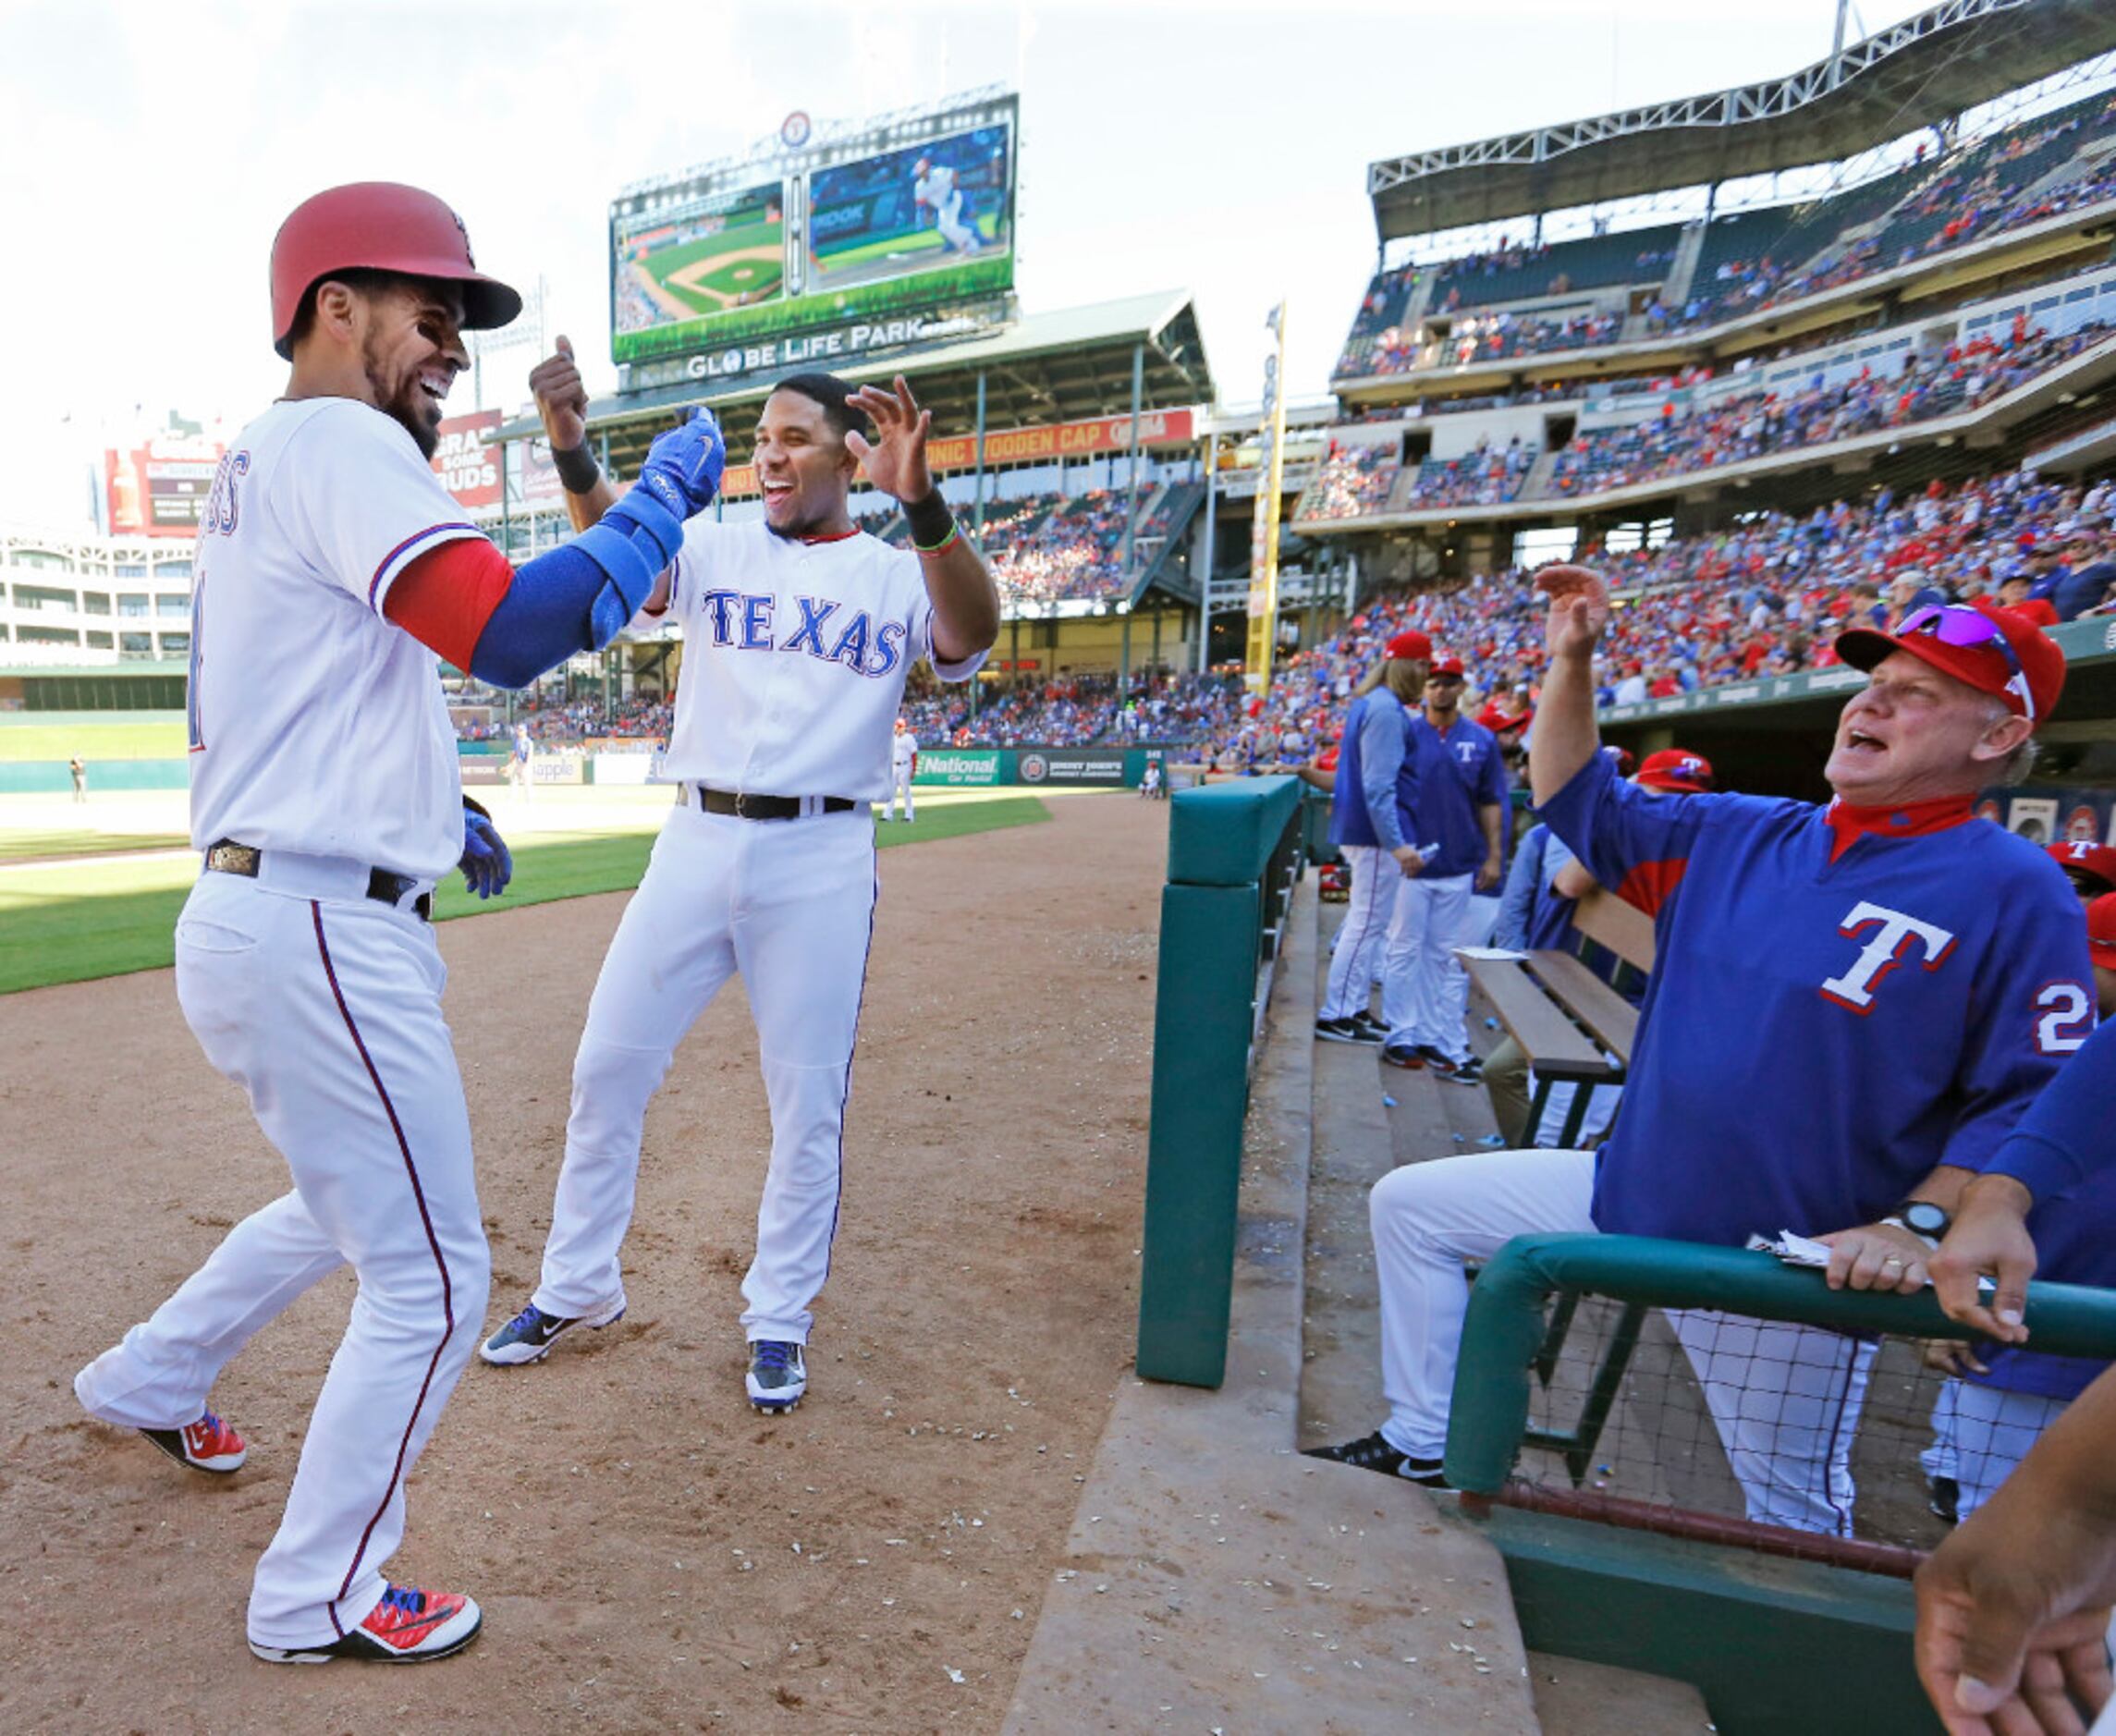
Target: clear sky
[149, 151]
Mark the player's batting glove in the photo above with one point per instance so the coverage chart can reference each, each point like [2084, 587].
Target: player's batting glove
[682, 468]
[487, 865]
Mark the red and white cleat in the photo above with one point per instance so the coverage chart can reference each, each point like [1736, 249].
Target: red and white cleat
[406, 1627]
[207, 1445]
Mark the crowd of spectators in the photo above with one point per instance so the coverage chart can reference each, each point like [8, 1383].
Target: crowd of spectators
[1351, 483]
[1682, 438]
[1483, 477]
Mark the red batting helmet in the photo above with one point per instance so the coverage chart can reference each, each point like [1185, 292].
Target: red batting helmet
[379, 226]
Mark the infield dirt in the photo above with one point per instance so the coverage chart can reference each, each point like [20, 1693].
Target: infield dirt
[651, 1554]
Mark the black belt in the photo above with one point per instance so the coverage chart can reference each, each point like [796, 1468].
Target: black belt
[228, 857]
[744, 806]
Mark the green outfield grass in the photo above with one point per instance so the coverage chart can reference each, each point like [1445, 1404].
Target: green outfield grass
[743, 277]
[134, 739]
[663, 260]
[906, 241]
[44, 845]
[89, 920]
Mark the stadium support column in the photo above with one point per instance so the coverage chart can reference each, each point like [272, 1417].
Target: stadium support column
[977, 512]
[1131, 523]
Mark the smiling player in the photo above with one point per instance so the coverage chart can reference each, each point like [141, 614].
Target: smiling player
[798, 631]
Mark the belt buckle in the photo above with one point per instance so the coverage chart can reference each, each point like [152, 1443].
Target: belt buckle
[741, 804]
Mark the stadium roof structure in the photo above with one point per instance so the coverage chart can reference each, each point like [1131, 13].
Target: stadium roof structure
[1064, 366]
[1921, 72]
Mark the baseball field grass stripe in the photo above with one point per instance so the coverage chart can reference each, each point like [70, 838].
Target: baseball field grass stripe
[76, 921]
[80, 841]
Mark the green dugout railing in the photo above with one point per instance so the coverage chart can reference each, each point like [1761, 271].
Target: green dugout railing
[1510, 1335]
[1235, 850]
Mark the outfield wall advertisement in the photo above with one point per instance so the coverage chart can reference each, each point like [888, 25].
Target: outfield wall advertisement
[817, 251]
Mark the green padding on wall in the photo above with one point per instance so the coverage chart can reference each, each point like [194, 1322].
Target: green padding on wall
[1224, 833]
[1203, 1016]
[28, 777]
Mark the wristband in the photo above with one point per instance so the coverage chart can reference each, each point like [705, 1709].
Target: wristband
[932, 524]
[577, 471]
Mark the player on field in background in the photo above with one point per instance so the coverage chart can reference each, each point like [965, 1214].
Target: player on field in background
[799, 629]
[78, 769]
[934, 187]
[333, 574]
[522, 761]
[903, 767]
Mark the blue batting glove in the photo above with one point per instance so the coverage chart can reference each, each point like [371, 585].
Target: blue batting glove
[682, 467]
[487, 865]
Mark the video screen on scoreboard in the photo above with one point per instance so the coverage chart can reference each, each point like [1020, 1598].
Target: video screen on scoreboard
[693, 258]
[941, 205]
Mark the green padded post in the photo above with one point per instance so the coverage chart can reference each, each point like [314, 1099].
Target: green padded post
[1202, 1023]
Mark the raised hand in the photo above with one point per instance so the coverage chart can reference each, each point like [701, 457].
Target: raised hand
[561, 398]
[1579, 609]
[894, 458]
[683, 465]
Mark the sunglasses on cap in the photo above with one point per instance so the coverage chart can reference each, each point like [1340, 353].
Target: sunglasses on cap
[1957, 624]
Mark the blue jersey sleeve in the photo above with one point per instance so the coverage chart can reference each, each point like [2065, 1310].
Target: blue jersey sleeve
[2067, 1136]
[1625, 835]
[1380, 758]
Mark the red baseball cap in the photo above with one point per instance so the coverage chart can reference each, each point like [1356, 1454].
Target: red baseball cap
[2102, 931]
[1410, 645]
[1676, 769]
[2083, 858]
[1448, 666]
[1497, 720]
[2014, 660]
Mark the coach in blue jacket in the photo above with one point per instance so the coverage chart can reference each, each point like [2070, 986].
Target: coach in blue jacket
[1852, 1008]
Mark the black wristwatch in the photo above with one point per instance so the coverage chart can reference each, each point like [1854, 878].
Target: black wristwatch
[1925, 1220]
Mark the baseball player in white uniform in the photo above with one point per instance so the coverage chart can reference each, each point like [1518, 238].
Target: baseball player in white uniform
[522, 761]
[903, 767]
[799, 629]
[325, 799]
[934, 188]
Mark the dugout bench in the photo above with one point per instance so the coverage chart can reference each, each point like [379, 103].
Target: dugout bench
[1570, 1024]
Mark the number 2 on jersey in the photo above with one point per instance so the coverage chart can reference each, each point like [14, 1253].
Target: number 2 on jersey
[2067, 1005]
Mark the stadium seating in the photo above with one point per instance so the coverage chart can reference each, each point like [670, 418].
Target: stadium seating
[1520, 273]
[1352, 481]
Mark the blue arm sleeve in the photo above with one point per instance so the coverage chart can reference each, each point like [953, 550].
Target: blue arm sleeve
[1380, 758]
[1614, 827]
[1512, 930]
[579, 596]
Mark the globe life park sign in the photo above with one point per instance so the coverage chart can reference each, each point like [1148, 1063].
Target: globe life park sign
[824, 347]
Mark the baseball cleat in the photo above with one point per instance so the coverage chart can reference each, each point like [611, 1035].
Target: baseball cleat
[1372, 1452]
[778, 1376]
[406, 1627]
[1342, 1031]
[207, 1445]
[528, 1338]
[1409, 1060]
[1376, 1032]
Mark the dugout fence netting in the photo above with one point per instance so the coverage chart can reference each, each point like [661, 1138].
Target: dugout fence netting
[1794, 1422]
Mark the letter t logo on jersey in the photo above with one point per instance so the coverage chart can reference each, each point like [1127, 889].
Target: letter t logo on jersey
[1883, 953]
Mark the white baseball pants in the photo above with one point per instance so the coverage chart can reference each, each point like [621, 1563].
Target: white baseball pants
[1785, 1399]
[947, 219]
[1425, 990]
[900, 793]
[327, 1009]
[1362, 935]
[1980, 1433]
[790, 905]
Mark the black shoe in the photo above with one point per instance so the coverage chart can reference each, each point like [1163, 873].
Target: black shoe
[1946, 1502]
[1371, 1452]
[1409, 1059]
[1469, 1073]
[1376, 1032]
[1338, 1030]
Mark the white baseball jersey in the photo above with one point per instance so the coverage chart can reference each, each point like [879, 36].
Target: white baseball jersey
[302, 696]
[794, 659]
[936, 187]
[903, 751]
